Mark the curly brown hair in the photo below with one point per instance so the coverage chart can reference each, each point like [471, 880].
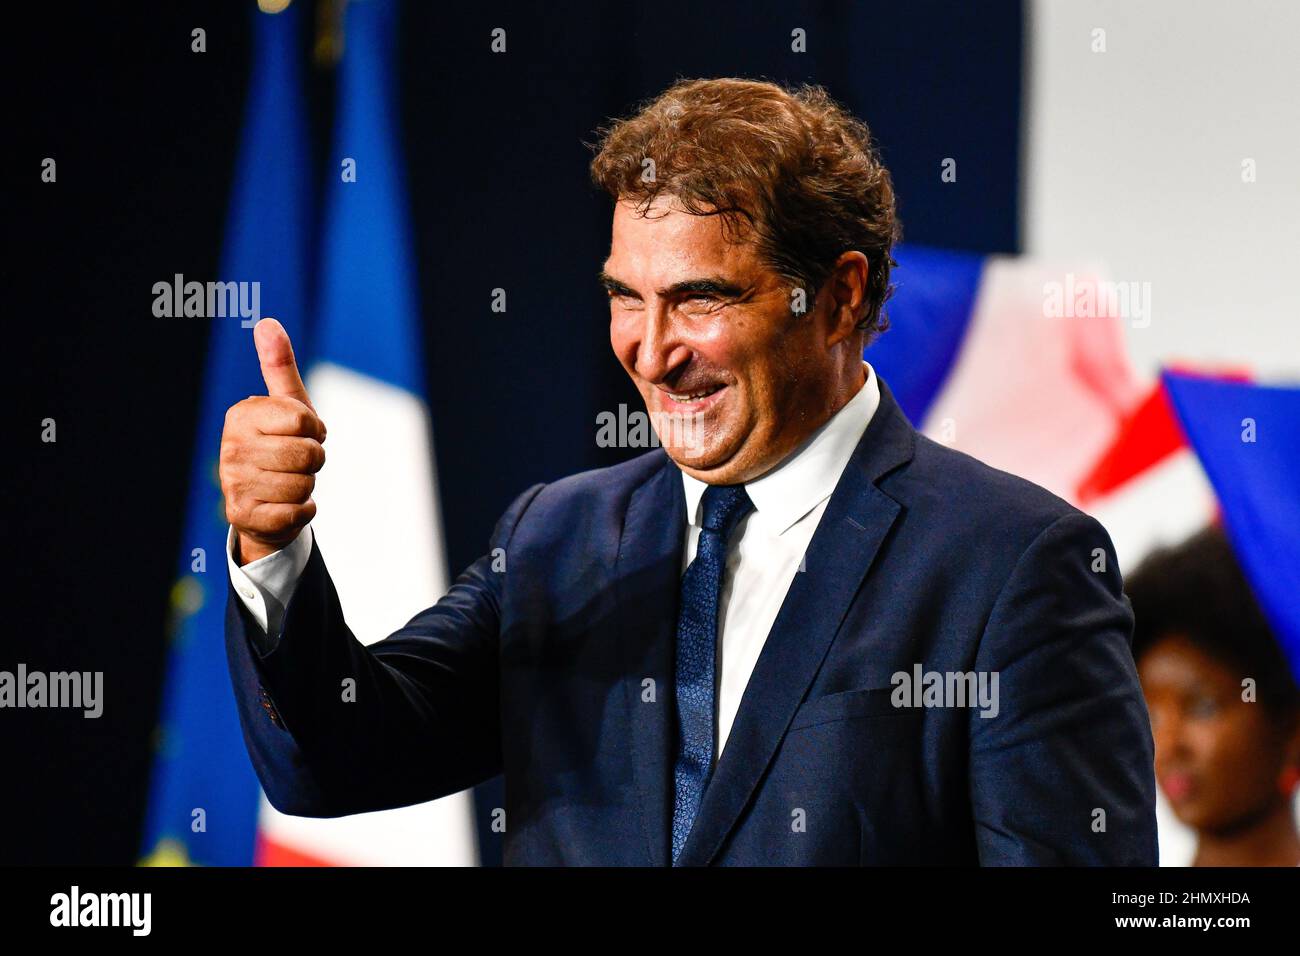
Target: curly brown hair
[790, 164]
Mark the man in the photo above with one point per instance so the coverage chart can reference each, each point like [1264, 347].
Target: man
[800, 633]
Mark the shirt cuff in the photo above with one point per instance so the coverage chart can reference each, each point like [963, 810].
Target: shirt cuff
[266, 585]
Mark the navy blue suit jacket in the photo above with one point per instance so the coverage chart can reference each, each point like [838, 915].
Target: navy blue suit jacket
[557, 671]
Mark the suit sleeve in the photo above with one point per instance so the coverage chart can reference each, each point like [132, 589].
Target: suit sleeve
[420, 718]
[1064, 773]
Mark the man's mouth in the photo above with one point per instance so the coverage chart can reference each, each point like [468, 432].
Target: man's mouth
[691, 401]
[695, 395]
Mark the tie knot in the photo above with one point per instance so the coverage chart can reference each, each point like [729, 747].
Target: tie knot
[724, 506]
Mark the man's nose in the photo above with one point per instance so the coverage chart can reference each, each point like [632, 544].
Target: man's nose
[661, 349]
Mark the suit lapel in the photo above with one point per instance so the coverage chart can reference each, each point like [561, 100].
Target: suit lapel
[855, 523]
[647, 580]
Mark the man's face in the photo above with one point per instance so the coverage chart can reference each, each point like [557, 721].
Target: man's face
[731, 377]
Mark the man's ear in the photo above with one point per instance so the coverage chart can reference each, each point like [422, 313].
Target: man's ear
[846, 289]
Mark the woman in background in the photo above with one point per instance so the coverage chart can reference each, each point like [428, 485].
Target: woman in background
[1227, 756]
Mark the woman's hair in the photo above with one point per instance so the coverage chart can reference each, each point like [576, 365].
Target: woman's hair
[1196, 590]
[791, 165]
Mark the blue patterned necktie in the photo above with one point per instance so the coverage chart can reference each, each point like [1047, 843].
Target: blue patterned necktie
[697, 638]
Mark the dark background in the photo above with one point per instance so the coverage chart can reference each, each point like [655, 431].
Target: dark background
[144, 132]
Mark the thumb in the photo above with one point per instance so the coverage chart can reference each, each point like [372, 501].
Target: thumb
[279, 369]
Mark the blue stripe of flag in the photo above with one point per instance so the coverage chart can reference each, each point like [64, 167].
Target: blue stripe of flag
[200, 762]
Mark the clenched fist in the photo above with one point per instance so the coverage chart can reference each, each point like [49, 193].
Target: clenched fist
[270, 452]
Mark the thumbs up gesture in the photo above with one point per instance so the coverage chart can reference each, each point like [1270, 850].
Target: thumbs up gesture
[271, 449]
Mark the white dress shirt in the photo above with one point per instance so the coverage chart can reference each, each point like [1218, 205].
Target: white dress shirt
[763, 554]
[766, 549]
[264, 586]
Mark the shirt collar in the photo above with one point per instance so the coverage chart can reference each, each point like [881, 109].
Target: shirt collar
[808, 475]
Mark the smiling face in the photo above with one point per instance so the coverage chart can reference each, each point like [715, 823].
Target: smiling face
[1217, 757]
[733, 379]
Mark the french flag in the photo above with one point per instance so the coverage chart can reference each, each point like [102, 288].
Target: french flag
[378, 524]
[984, 360]
[989, 356]
[203, 795]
